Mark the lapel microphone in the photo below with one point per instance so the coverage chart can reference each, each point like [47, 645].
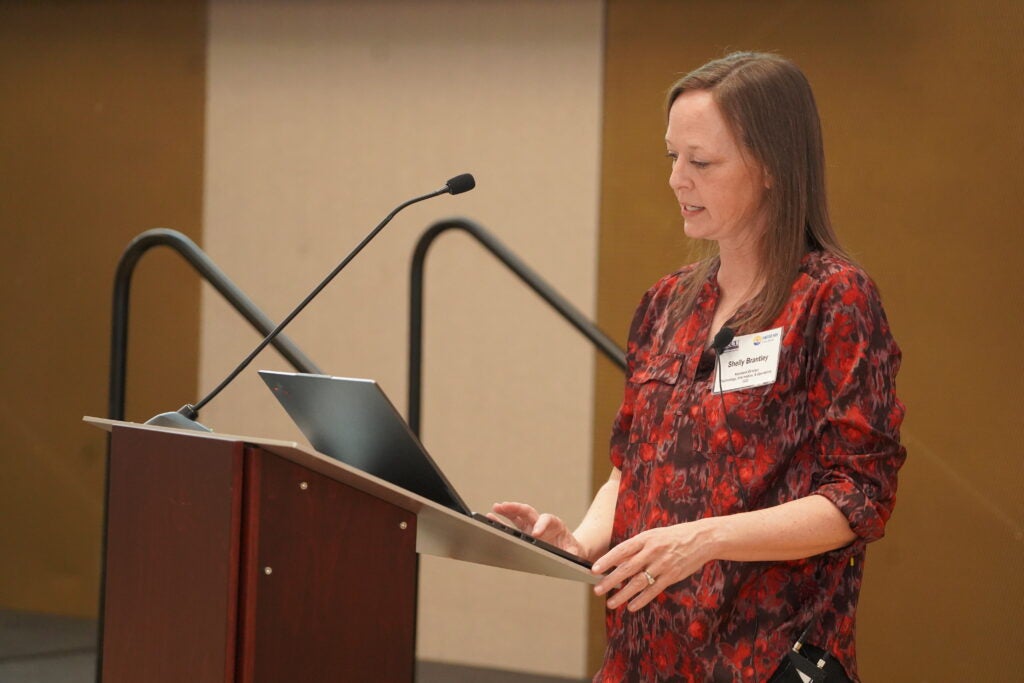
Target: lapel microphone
[722, 339]
[709, 359]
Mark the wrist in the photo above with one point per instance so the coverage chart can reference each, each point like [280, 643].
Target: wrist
[583, 546]
[715, 538]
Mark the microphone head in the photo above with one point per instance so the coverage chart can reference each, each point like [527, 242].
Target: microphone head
[722, 339]
[461, 183]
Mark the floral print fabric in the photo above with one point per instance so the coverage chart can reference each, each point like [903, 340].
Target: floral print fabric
[829, 425]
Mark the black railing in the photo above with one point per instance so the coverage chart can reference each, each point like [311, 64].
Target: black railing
[212, 274]
[513, 263]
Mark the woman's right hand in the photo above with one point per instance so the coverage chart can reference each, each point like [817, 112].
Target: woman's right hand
[546, 527]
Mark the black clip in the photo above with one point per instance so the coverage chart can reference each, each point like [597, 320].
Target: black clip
[810, 672]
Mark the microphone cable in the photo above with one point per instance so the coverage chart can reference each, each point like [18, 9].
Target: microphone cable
[718, 345]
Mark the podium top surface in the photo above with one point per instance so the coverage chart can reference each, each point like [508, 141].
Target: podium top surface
[440, 531]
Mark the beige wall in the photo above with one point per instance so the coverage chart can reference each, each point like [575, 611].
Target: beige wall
[922, 109]
[323, 116]
[101, 137]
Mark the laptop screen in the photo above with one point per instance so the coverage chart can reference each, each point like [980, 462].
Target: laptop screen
[353, 421]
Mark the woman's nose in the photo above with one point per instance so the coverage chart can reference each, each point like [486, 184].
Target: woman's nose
[679, 178]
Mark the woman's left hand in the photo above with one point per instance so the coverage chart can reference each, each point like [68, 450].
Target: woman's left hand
[653, 560]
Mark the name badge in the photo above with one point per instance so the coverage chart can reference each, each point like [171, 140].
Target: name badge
[751, 360]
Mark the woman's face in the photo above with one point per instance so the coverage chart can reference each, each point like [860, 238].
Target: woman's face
[719, 187]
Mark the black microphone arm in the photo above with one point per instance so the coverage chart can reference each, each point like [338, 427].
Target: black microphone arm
[185, 416]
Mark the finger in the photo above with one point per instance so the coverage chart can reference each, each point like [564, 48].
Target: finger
[618, 579]
[507, 509]
[629, 593]
[510, 507]
[644, 587]
[643, 598]
[650, 590]
[500, 513]
[547, 524]
[608, 583]
[617, 556]
[619, 565]
[526, 522]
[540, 526]
[522, 516]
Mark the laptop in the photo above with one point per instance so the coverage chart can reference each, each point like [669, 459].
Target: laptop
[352, 420]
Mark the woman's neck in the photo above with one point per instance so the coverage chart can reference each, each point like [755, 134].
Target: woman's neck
[739, 275]
[739, 280]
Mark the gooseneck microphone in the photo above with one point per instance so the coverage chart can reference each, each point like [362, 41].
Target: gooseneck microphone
[457, 185]
[185, 416]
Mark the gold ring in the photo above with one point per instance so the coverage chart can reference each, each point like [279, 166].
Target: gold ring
[650, 579]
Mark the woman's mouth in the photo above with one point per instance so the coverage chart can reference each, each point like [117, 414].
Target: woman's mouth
[691, 209]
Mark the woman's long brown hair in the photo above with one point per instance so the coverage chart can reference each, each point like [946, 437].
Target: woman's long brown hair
[768, 104]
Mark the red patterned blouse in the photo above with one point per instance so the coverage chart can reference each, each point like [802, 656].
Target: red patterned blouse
[829, 425]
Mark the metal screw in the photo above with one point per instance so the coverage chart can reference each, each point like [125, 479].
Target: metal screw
[268, 570]
[403, 526]
[304, 485]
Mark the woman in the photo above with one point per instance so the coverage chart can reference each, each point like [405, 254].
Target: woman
[747, 479]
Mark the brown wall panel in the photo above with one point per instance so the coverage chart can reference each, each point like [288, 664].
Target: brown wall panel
[101, 134]
[923, 116]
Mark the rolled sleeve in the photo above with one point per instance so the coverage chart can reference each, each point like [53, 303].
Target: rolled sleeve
[856, 413]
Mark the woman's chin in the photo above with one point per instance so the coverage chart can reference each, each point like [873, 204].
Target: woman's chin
[695, 231]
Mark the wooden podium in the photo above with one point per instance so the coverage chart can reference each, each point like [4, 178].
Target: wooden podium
[239, 559]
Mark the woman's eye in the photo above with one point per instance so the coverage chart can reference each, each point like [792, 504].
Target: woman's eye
[700, 164]
[672, 155]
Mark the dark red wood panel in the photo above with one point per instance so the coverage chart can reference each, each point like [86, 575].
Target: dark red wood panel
[172, 558]
[330, 580]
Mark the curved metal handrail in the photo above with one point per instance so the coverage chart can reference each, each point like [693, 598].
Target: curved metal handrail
[202, 263]
[534, 281]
